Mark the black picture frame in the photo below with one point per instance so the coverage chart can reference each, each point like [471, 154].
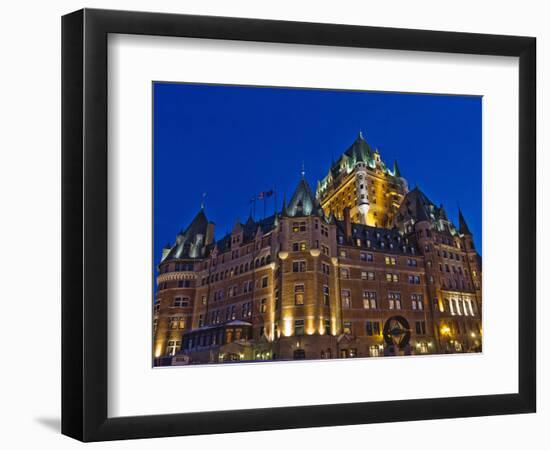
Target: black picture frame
[84, 224]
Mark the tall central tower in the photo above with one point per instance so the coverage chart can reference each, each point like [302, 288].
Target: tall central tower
[361, 181]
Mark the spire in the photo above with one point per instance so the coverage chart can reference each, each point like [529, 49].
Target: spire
[463, 226]
[303, 202]
[203, 200]
[396, 171]
[303, 171]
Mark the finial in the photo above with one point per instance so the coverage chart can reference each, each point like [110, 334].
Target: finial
[203, 200]
[361, 134]
[303, 171]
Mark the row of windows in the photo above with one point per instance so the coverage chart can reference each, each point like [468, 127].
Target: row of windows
[237, 270]
[247, 286]
[370, 276]
[178, 267]
[370, 300]
[230, 313]
[374, 328]
[180, 284]
[381, 244]
[240, 251]
[450, 255]
[460, 307]
[454, 269]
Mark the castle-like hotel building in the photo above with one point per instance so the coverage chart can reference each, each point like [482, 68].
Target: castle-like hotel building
[362, 268]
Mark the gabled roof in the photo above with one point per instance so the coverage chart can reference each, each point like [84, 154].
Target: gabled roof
[250, 228]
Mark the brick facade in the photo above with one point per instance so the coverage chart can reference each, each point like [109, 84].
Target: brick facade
[362, 268]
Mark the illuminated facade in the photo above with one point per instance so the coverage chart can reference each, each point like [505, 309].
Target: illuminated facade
[362, 268]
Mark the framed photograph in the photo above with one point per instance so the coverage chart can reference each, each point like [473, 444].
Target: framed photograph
[273, 224]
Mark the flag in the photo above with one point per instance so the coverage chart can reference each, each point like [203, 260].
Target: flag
[265, 194]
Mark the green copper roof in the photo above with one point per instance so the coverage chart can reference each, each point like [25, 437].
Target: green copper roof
[359, 150]
[303, 202]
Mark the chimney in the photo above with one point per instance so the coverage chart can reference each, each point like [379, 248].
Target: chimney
[209, 233]
[347, 224]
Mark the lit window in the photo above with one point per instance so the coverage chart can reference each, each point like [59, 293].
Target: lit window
[298, 227]
[346, 298]
[176, 322]
[369, 300]
[394, 300]
[344, 273]
[347, 328]
[374, 350]
[173, 347]
[299, 291]
[417, 302]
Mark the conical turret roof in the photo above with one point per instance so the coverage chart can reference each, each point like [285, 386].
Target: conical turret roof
[462, 225]
[303, 201]
[189, 242]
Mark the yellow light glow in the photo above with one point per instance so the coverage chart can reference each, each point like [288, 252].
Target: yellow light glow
[287, 326]
[158, 351]
[445, 330]
[473, 335]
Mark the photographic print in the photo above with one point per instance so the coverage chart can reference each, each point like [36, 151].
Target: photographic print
[314, 224]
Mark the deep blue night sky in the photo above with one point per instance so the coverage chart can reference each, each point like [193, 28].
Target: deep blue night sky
[234, 142]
